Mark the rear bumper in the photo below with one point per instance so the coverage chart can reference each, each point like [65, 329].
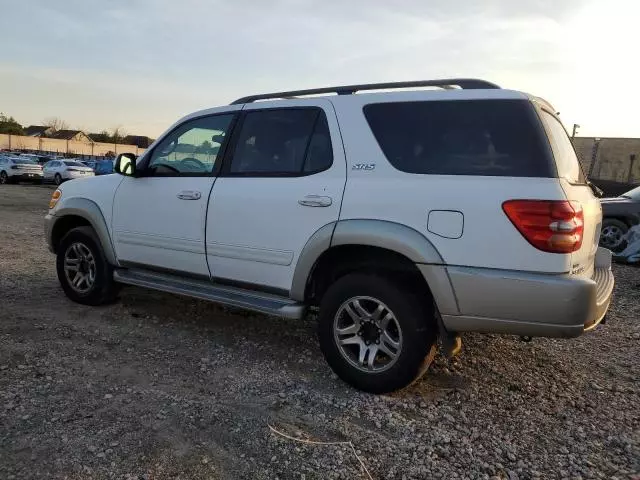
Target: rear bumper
[26, 177]
[532, 304]
[74, 175]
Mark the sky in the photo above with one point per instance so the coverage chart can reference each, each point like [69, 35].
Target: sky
[142, 64]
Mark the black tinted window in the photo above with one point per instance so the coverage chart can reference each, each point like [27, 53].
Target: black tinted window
[464, 137]
[283, 142]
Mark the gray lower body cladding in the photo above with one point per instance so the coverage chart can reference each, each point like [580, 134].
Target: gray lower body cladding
[532, 304]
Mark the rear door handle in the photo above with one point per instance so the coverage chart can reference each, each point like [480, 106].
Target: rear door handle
[189, 195]
[315, 201]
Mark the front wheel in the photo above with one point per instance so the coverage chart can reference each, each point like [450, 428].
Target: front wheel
[376, 336]
[57, 179]
[4, 178]
[83, 271]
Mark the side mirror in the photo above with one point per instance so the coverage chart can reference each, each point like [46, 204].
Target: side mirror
[126, 164]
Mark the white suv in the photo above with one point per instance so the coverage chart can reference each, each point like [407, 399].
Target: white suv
[404, 216]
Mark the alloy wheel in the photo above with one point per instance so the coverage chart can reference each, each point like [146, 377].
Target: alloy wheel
[80, 267]
[368, 334]
[611, 236]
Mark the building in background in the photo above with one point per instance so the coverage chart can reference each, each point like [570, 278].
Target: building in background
[138, 140]
[38, 131]
[609, 158]
[75, 135]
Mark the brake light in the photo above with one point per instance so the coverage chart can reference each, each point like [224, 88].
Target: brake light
[550, 226]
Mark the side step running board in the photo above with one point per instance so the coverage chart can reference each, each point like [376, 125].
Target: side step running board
[222, 294]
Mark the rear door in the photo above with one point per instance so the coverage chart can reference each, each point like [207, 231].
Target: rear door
[282, 181]
[575, 186]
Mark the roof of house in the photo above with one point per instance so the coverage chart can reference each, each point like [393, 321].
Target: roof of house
[67, 134]
[139, 140]
[34, 130]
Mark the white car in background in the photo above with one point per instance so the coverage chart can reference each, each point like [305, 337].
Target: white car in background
[57, 171]
[16, 168]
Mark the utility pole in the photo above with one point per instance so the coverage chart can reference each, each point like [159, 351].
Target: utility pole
[575, 130]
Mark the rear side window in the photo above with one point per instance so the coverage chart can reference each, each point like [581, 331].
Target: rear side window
[563, 152]
[283, 142]
[463, 137]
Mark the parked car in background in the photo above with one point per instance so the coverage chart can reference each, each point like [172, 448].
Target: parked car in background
[89, 163]
[619, 214]
[19, 169]
[58, 171]
[104, 167]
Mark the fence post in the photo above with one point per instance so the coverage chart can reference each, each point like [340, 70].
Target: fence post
[594, 156]
[9, 141]
[632, 160]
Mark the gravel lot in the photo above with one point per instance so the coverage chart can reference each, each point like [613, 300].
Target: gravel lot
[158, 386]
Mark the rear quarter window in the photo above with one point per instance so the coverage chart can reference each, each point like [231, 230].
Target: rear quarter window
[462, 137]
[565, 156]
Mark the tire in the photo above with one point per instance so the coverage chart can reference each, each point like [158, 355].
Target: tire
[82, 244]
[4, 178]
[57, 179]
[612, 234]
[413, 328]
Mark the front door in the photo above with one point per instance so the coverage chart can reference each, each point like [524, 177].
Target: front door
[283, 181]
[159, 215]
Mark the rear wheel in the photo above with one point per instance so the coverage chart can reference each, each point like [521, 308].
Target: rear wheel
[613, 233]
[4, 178]
[376, 336]
[83, 271]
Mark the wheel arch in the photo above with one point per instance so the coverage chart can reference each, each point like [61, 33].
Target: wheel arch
[375, 243]
[627, 219]
[76, 212]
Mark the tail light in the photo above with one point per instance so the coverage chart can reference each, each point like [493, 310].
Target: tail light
[550, 226]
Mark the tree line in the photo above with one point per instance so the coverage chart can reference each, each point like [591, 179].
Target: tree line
[10, 126]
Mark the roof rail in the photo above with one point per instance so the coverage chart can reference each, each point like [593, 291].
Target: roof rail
[464, 83]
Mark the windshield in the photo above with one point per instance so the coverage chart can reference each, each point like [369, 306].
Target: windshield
[74, 164]
[634, 194]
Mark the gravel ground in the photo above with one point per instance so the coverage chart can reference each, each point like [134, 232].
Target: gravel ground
[158, 386]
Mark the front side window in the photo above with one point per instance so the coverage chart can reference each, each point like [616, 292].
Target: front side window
[192, 148]
[462, 137]
[566, 159]
[283, 142]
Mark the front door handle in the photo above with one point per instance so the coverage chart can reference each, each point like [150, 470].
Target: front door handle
[315, 201]
[189, 195]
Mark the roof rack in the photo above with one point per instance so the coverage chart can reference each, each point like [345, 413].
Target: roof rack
[464, 83]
